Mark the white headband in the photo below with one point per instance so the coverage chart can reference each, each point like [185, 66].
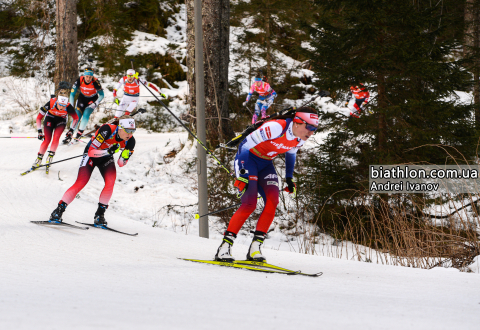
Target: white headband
[127, 123]
[62, 100]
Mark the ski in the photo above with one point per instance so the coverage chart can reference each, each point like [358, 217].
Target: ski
[266, 265]
[243, 266]
[28, 171]
[58, 223]
[106, 228]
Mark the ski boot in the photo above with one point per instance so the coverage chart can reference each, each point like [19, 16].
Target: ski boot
[49, 160]
[99, 219]
[68, 137]
[254, 119]
[264, 114]
[37, 162]
[77, 138]
[223, 252]
[254, 251]
[56, 215]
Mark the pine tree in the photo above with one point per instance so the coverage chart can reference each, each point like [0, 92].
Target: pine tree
[407, 55]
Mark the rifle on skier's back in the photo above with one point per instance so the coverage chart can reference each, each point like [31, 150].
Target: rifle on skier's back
[291, 110]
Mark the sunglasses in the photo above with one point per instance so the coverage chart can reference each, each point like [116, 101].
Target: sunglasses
[130, 75]
[61, 105]
[128, 130]
[308, 126]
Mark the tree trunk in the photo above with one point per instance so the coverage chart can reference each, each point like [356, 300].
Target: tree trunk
[66, 57]
[216, 28]
[267, 40]
[191, 97]
[382, 104]
[471, 48]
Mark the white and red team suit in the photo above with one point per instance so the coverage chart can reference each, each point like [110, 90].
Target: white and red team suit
[359, 99]
[131, 94]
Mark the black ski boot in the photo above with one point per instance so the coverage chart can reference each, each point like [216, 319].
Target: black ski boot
[68, 137]
[99, 215]
[56, 215]
[254, 251]
[223, 252]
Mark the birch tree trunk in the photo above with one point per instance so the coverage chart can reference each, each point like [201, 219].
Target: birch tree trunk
[66, 57]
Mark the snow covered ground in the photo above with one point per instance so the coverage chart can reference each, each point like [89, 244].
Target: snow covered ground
[56, 278]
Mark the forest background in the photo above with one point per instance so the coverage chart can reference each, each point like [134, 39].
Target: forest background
[414, 57]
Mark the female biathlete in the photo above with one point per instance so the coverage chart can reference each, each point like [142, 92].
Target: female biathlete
[108, 139]
[256, 174]
[266, 95]
[91, 94]
[55, 112]
[131, 92]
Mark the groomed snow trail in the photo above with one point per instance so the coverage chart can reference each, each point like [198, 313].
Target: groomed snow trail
[58, 278]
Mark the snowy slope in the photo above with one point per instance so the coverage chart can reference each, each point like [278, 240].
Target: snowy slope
[55, 278]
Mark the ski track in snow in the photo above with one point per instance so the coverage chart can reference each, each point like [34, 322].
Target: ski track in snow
[59, 278]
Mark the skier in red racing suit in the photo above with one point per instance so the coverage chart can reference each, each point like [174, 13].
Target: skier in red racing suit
[256, 174]
[108, 140]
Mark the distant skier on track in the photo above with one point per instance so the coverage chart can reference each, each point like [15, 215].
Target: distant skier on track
[108, 140]
[266, 95]
[359, 97]
[55, 112]
[256, 174]
[131, 92]
[91, 94]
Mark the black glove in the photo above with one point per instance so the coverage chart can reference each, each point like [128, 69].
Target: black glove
[69, 133]
[113, 149]
[41, 136]
[291, 187]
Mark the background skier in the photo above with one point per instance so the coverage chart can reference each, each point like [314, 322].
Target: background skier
[131, 92]
[266, 95]
[55, 112]
[91, 94]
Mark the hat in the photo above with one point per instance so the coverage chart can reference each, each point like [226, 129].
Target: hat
[62, 100]
[309, 118]
[127, 123]
[130, 72]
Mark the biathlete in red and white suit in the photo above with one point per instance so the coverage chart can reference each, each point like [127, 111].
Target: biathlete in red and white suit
[55, 112]
[256, 174]
[359, 99]
[266, 95]
[131, 92]
[108, 139]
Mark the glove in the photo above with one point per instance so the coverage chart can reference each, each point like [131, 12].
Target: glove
[116, 101]
[163, 95]
[244, 103]
[136, 75]
[142, 110]
[69, 133]
[242, 185]
[41, 136]
[113, 149]
[346, 104]
[291, 187]
[126, 154]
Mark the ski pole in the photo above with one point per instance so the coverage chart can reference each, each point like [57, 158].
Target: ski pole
[198, 216]
[18, 137]
[60, 161]
[189, 131]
